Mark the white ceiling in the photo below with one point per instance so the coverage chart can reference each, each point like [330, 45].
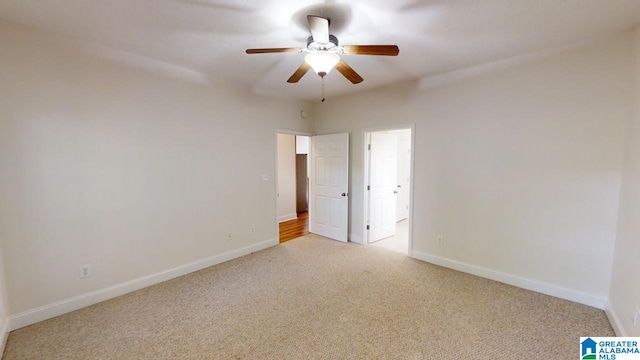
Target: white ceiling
[434, 36]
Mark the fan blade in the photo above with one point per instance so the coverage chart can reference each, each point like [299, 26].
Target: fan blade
[299, 73]
[386, 50]
[348, 72]
[319, 27]
[273, 50]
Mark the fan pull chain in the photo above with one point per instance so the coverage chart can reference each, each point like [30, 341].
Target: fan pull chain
[322, 89]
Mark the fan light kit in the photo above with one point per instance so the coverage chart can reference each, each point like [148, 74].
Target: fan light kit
[324, 52]
[322, 61]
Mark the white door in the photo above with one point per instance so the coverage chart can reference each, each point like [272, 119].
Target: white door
[404, 174]
[328, 186]
[383, 186]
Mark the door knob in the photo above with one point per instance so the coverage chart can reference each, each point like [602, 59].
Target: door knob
[344, 194]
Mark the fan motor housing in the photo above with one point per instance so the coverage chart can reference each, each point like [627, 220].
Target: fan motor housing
[312, 45]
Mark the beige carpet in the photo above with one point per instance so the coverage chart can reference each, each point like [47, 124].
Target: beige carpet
[313, 298]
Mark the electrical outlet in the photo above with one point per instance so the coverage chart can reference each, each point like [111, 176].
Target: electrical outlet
[252, 230]
[229, 236]
[85, 271]
[440, 240]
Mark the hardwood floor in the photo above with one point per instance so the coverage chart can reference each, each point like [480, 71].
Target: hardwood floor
[294, 228]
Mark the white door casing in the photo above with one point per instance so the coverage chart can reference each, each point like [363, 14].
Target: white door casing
[404, 183]
[383, 185]
[328, 186]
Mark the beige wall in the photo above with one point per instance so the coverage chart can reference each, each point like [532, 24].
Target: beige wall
[519, 169]
[131, 172]
[624, 298]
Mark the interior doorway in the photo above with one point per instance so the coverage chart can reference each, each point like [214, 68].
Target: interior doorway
[327, 182]
[388, 161]
[292, 185]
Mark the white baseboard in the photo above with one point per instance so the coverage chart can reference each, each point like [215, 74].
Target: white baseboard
[529, 284]
[33, 316]
[614, 320]
[287, 217]
[4, 334]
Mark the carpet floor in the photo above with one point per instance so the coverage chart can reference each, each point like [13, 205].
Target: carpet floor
[313, 298]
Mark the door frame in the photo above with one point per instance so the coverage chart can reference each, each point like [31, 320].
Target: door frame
[365, 177]
[275, 171]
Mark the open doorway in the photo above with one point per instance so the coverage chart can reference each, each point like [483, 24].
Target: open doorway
[388, 161]
[327, 180]
[292, 186]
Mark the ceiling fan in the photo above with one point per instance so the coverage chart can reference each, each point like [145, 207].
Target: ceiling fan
[324, 52]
